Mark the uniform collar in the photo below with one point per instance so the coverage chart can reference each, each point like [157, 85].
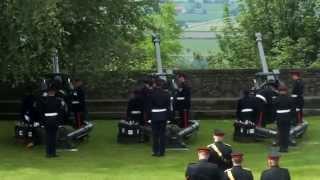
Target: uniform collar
[203, 160]
[277, 166]
[238, 166]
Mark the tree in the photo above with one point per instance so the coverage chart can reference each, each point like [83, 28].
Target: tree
[289, 28]
[90, 35]
[164, 24]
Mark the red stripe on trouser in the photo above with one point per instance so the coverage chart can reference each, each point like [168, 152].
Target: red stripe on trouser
[260, 119]
[185, 119]
[145, 117]
[78, 120]
[299, 117]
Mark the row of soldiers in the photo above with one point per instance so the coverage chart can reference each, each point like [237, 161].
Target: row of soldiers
[219, 162]
[156, 103]
[53, 109]
[139, 105]
[274, 103]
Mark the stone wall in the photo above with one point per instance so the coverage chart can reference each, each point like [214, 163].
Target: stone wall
[214, 91]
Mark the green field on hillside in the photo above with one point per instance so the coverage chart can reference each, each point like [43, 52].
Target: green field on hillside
[214, 11]
[103, 159]
[203, 46]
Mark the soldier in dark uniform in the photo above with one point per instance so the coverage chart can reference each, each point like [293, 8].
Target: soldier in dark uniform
[237, 172]
[283, 110]
[78, 104]
[297, 95]
[146, 95]
[220, 153]
[204, 170]
[51, 108]
[275, 172]
[29, 115]
[160, 104]
[183, 101]
[246, 108]
[135, 107]
[246, 114]
[265, 98]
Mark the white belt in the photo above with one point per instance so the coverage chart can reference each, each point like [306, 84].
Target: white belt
[294, 95]
[75, 102]
[135, 112]
[247, 110]
[50, 114]
[261, 97]
[298, 109]
[158, 110]
[283, 111]
[181, 98]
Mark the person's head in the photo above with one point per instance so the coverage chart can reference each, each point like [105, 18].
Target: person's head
[245, 93]
[181, 78]
[203, 153]
[77, 83]
[166, 86]
[283, 90]
[237, 158]
[148, 82]
[295, 75]
[51, 90]
[159, 83]
[218, 135]
[273, 159]
[135, 93]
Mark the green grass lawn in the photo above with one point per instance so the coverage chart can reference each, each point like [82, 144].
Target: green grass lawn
[102, 158]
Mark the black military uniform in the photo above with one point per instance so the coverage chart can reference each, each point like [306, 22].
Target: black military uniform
[265, 98]
[246, 108]
[237, 172]
[275, 172]
[30, 118]
[203, 170]
[52, 108]
[246, 115]
[220, 153]
[183, 103]
[135, 108]
[160, 104]
[283, 110]
[146, 96]
[297, 95]
[78, 106]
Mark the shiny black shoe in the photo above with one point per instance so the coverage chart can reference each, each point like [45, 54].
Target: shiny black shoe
[283, 150]
[155, 155]
[52, 156]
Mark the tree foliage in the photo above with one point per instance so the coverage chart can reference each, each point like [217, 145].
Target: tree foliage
[89, 35]
[290, 30]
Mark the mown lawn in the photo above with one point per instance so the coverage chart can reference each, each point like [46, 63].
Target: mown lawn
[102, 158]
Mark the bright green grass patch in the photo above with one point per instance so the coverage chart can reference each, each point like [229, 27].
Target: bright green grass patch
[203, 46]
[102, 158]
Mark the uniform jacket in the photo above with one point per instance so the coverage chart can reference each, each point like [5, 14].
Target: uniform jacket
[247, 102]
[160, 99]
[223, 157]
[238, 173]
[275, 173]
[204, 170]
[183, 92]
